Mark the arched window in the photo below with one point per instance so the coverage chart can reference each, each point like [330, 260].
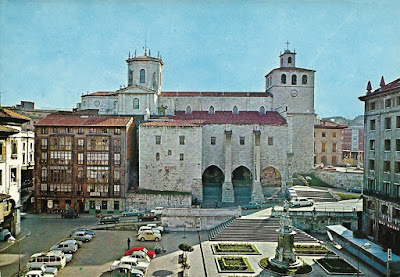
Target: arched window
[211, 110]
[283, 78]
[136, 103]
[294, 79]
[289, 60]
[262, 110]
[235, 110]
[304, 79]
[188, 110]
[142, 76]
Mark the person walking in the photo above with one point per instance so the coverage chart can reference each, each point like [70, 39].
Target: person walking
[129, 243]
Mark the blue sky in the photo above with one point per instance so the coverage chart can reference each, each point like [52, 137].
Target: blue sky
[53, 51]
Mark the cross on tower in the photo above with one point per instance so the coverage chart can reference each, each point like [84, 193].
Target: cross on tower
[287, 45]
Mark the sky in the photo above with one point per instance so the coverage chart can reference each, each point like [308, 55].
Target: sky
[52, 51]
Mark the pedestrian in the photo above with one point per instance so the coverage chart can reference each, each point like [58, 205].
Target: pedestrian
[129, 243]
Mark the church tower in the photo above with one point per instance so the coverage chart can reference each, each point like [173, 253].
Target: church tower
[293, 97]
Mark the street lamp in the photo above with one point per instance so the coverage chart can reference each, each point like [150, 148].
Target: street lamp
[12, 240]
[364, 246]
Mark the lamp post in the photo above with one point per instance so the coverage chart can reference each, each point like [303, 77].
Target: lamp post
[364, 246]
[12, 240]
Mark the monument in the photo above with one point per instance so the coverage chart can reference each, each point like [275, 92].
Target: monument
[285, 256]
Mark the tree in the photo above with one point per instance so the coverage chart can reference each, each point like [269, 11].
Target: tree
[186, 248]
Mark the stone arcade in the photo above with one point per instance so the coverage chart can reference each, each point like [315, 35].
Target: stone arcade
[219, 146]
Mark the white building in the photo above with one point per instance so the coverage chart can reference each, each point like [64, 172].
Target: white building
[220, 146]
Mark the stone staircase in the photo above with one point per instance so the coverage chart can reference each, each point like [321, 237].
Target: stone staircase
[217, 229]
[317, 195]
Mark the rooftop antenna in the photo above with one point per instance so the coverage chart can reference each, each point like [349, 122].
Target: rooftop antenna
[287, 45]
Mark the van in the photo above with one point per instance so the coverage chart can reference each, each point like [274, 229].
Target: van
[54, 259]
[69, 246]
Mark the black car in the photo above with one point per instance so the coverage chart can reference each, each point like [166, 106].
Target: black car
[109, 219]
[70, 214]
[148, 217]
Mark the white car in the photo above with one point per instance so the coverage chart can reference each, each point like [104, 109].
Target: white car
[301, 202]
[128, 260]
[82, 236]
[69, 246]
[140, 256]
[52, 271]
[68, 257]
[155, 227]
[37, 273]
[158, 211]
[147, 228]
[127, 270]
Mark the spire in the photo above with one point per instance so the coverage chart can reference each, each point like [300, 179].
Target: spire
[369, 87]
[129, 56]
[382, 84]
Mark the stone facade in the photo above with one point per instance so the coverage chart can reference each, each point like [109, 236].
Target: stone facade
[148, 201]
[341, 179]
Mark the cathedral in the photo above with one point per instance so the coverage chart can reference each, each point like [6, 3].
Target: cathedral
[219, 146]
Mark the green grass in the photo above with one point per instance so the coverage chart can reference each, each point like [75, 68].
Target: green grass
[235, 248]
[347, 196]
[337, 265]
[234, 264]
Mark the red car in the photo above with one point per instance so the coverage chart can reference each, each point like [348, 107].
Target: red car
[149, 253]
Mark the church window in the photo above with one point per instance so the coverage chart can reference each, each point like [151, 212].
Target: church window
[283, 78]
[136, 103]
[262, 110]
[213, 140]
[304, 79]
[181, 156]
[241, 140]
[294, 79]
[181, 140]
[211, 110]
[188, 110]
[158, 139]
[157, 156]
[289, 60]
[235, 110]
[142, 76]
[270, 141]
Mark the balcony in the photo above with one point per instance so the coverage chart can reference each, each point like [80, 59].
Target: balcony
[386, 155]
[386, 176]
[382, 196]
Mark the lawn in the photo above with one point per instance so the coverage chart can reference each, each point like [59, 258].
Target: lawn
[234, 264]
[336, 265]
[346, 196]
[235, 248]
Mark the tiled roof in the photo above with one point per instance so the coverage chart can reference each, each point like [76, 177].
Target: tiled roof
[214, 94]
[82, 120]
[102, 93]
[220, 117]
[385, 89]
[4, 129]
[329, 127]
[6, 113]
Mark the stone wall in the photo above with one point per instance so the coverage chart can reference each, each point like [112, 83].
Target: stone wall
[340, 179]
[197, 219]
[150, 201]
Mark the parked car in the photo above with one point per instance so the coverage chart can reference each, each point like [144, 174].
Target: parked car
[148, 216]
[140, 256]
[133, 212]
[87, 231]
[37, 273]
[301, 202]
[68, 246]
[155, 227]
[4, 234]
[354, 189]
[52, 271]
[68, 257]
[81, 236]
[147, 228]
[128, 260]
[78, 242]
[125, 270]
[252, 205]
[157, 210]
[109, 219]
[70, 214]
[149, 253]
[149, 235]
[53, 259]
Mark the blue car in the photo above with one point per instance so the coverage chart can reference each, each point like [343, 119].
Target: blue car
[252, 205]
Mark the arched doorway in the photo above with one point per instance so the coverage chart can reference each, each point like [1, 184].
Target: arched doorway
[271, 180]
[242, 181]
[212, 180]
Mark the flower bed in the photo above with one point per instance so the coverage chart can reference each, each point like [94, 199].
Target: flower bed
[242, 248]
[336, 265]
[305, 269]
[312, 249]
[229, 264]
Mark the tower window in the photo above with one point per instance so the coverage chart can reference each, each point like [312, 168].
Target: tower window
[289, 60]
[304, 79]
[211, 110]
[241, 140]
[213, 139]
[188, 110]
[142, 76]
[136, 103]
[235, 110]
[283, 78]
[294, 79]
[262, 110]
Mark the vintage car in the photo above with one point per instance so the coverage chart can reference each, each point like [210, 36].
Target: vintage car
[69, 246]
[148, 216]
[149, 253]
[46, 270]
[133, 212]
[69, 214]
[109, 219]
[252, 205]
[128, 260]
[149, 235]
[157, 211]
[301, 202]
[125, 270]
[82, 236]
[83, 229]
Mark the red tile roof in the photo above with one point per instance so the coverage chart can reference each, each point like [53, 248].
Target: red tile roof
[197, 118]
[82, 120]
[214, 94]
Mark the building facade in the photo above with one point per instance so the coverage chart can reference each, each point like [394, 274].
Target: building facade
[220, 146]
[83, 162]
[16, 158]
[328, 141]
[381, 189]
